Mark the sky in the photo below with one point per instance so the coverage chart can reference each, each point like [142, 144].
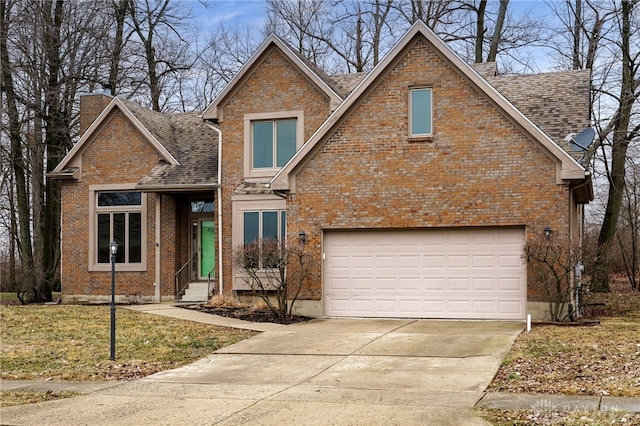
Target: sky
[249, 12]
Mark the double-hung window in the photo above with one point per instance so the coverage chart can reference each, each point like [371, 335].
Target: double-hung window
[119, 219]
[420, 112]
[274, 143]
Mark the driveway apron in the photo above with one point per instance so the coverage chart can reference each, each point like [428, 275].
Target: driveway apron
[323, 372]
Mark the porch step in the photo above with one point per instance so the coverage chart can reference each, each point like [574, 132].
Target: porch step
[197, 291]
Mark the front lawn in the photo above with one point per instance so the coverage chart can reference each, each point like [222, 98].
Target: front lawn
[44, 342]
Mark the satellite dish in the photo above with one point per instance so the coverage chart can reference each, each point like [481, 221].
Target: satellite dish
[583, 140]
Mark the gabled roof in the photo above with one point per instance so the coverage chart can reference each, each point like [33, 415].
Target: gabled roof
[187, 147]
[317, 76]
[569, 168]
[154, 130]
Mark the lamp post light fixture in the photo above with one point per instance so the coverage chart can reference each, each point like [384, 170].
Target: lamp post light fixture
[303, 237]
[547, 232]
[113, 249]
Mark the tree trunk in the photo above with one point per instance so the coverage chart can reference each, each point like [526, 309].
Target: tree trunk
[17, 158]
[480, 31]
[577, 32]
[619, 145]
[497, 32]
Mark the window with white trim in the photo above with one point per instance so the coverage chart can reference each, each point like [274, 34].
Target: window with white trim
[119, 219]
[420, 112]
[273, 143]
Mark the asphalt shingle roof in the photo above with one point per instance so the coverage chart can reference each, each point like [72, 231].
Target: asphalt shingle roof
[558, 103]
[188, 139]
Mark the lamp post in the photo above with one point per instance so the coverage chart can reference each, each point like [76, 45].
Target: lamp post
[113, 249]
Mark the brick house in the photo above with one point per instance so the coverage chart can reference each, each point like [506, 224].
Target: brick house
[416, 184]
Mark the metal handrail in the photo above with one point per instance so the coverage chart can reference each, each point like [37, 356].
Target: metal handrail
[180, 290]
[210, 290]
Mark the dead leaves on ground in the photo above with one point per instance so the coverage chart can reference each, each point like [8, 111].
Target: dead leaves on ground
[597, 360]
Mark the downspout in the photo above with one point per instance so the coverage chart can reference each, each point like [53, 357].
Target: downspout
[158, 293]
[219, 196]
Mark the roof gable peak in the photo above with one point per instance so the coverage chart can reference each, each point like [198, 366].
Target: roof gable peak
[88, 136]
[570, 168]
[317, 76]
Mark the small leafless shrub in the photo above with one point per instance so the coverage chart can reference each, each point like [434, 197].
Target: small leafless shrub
[275, 271]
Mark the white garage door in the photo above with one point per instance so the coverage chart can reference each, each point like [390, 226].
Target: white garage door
[468, 273]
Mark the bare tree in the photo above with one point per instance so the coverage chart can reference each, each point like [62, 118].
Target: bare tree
[163, 47]
[618, 132]
[552, 262]
[275, 270]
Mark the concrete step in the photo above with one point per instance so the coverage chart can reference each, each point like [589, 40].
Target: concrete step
[196, 292]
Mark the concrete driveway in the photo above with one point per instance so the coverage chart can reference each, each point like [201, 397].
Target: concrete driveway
[324, 372]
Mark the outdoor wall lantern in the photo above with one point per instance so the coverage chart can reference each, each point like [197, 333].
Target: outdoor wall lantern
[113, 249]
[303, 237]
[547, 232]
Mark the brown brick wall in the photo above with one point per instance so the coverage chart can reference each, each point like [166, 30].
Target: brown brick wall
[275, 85]
[477, 170]
[121, 155]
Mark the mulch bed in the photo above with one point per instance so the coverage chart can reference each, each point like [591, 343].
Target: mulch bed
[248, 313]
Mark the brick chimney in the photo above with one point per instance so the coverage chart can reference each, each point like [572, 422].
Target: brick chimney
[91, 105]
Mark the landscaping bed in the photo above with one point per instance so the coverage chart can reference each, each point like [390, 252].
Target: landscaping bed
[229, 307]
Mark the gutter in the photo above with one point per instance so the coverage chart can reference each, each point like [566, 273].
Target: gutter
[218, 187]
[177, 187]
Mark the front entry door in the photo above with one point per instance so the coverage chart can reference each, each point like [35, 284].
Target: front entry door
[204, 244]
[208, 246]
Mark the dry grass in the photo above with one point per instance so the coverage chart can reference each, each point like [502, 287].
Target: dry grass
[599, 360]
[72, 343]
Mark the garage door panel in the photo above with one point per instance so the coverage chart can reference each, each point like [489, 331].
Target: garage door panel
[425, 274]
[484, 285]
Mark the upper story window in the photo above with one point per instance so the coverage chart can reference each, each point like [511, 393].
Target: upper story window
[420, 112]
[274, 143]
[270, 140]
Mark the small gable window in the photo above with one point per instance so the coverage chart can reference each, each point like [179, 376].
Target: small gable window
[274, 143]
[420, 112]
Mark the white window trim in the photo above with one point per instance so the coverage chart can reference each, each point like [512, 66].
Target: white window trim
[259, 174]
[240, 205]
[419, 135]
[93, 250]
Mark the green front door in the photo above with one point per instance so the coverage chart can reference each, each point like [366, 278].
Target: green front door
[207, 248]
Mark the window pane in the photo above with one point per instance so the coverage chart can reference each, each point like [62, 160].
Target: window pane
[262, 144]
[104, 238]
[251, 227]
[286, 145]
[119, 235]
[119, 199]
[203, 206]
[269, 225]
[135, 237]
[421, 112]
[283, 225]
